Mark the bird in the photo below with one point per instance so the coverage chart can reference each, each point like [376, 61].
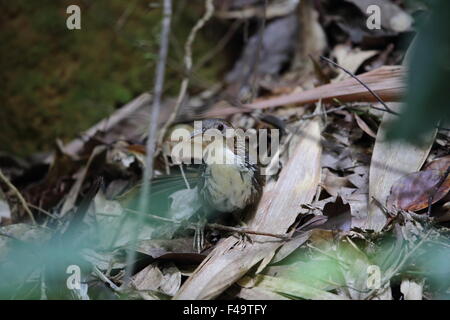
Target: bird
[226, 184]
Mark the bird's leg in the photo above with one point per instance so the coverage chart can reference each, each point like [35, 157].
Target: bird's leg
[199, 236]
[243, 237]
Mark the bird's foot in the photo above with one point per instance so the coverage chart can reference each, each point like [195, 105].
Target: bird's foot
[199, 236]
[244, 238]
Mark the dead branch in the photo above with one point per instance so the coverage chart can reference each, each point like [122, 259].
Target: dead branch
[387, 82]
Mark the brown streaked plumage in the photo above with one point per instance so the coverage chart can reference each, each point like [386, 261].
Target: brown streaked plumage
[227, 187]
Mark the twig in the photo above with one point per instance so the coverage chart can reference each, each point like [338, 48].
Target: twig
[19, 196]
[184, 177]
[362, 83]
[188, 66]
[43, 211]
[215, 226]
[313, 115]
[105, 279]
[247, 231]
[151, 141]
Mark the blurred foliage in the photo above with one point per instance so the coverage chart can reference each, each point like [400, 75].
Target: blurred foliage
[428, 97]
[57, 82]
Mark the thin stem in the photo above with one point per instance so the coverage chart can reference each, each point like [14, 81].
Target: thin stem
[188, 66]
[19, 196]
[152, 129]
[362, 83]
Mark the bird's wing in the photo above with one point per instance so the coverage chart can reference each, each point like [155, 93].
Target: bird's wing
[161, 188]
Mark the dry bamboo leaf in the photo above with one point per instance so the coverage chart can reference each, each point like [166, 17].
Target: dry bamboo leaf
[387, 82]
[153, 278]
[390, 161]
[333, 184]
[287, 286]
[276, 212]
[149, 278]
[72, 196]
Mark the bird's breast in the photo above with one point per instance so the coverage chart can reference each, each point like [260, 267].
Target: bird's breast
[228, 187]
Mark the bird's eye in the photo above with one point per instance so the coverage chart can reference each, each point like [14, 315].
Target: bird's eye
[220, 127]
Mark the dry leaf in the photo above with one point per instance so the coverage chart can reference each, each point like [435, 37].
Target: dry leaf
[333, 184]
[364, 127]
[350, 59]
[440, 164]
[412, 192]
[166, 280]
[390, 161]
[72, 196]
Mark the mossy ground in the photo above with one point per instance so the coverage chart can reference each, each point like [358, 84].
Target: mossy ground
[56, 83]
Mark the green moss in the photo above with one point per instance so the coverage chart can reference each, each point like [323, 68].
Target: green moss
[57, 83]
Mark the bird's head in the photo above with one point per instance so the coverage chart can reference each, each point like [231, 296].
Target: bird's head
[217, 138]
[213, 127]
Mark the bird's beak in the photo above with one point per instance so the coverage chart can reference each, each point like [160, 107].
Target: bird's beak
[196, 133]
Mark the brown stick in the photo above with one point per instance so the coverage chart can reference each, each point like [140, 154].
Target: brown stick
[386, 81]
[214, 226]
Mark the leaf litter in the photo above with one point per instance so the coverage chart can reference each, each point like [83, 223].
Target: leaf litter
[364, 202]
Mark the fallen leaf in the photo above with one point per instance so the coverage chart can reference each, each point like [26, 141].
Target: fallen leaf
[72, 196]
[364, 127]
[166, 280]
[179, 250]
[339, 216]
[332, 183]
[412, 192]
[350, 59]
[440, 164]
[390, 161]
